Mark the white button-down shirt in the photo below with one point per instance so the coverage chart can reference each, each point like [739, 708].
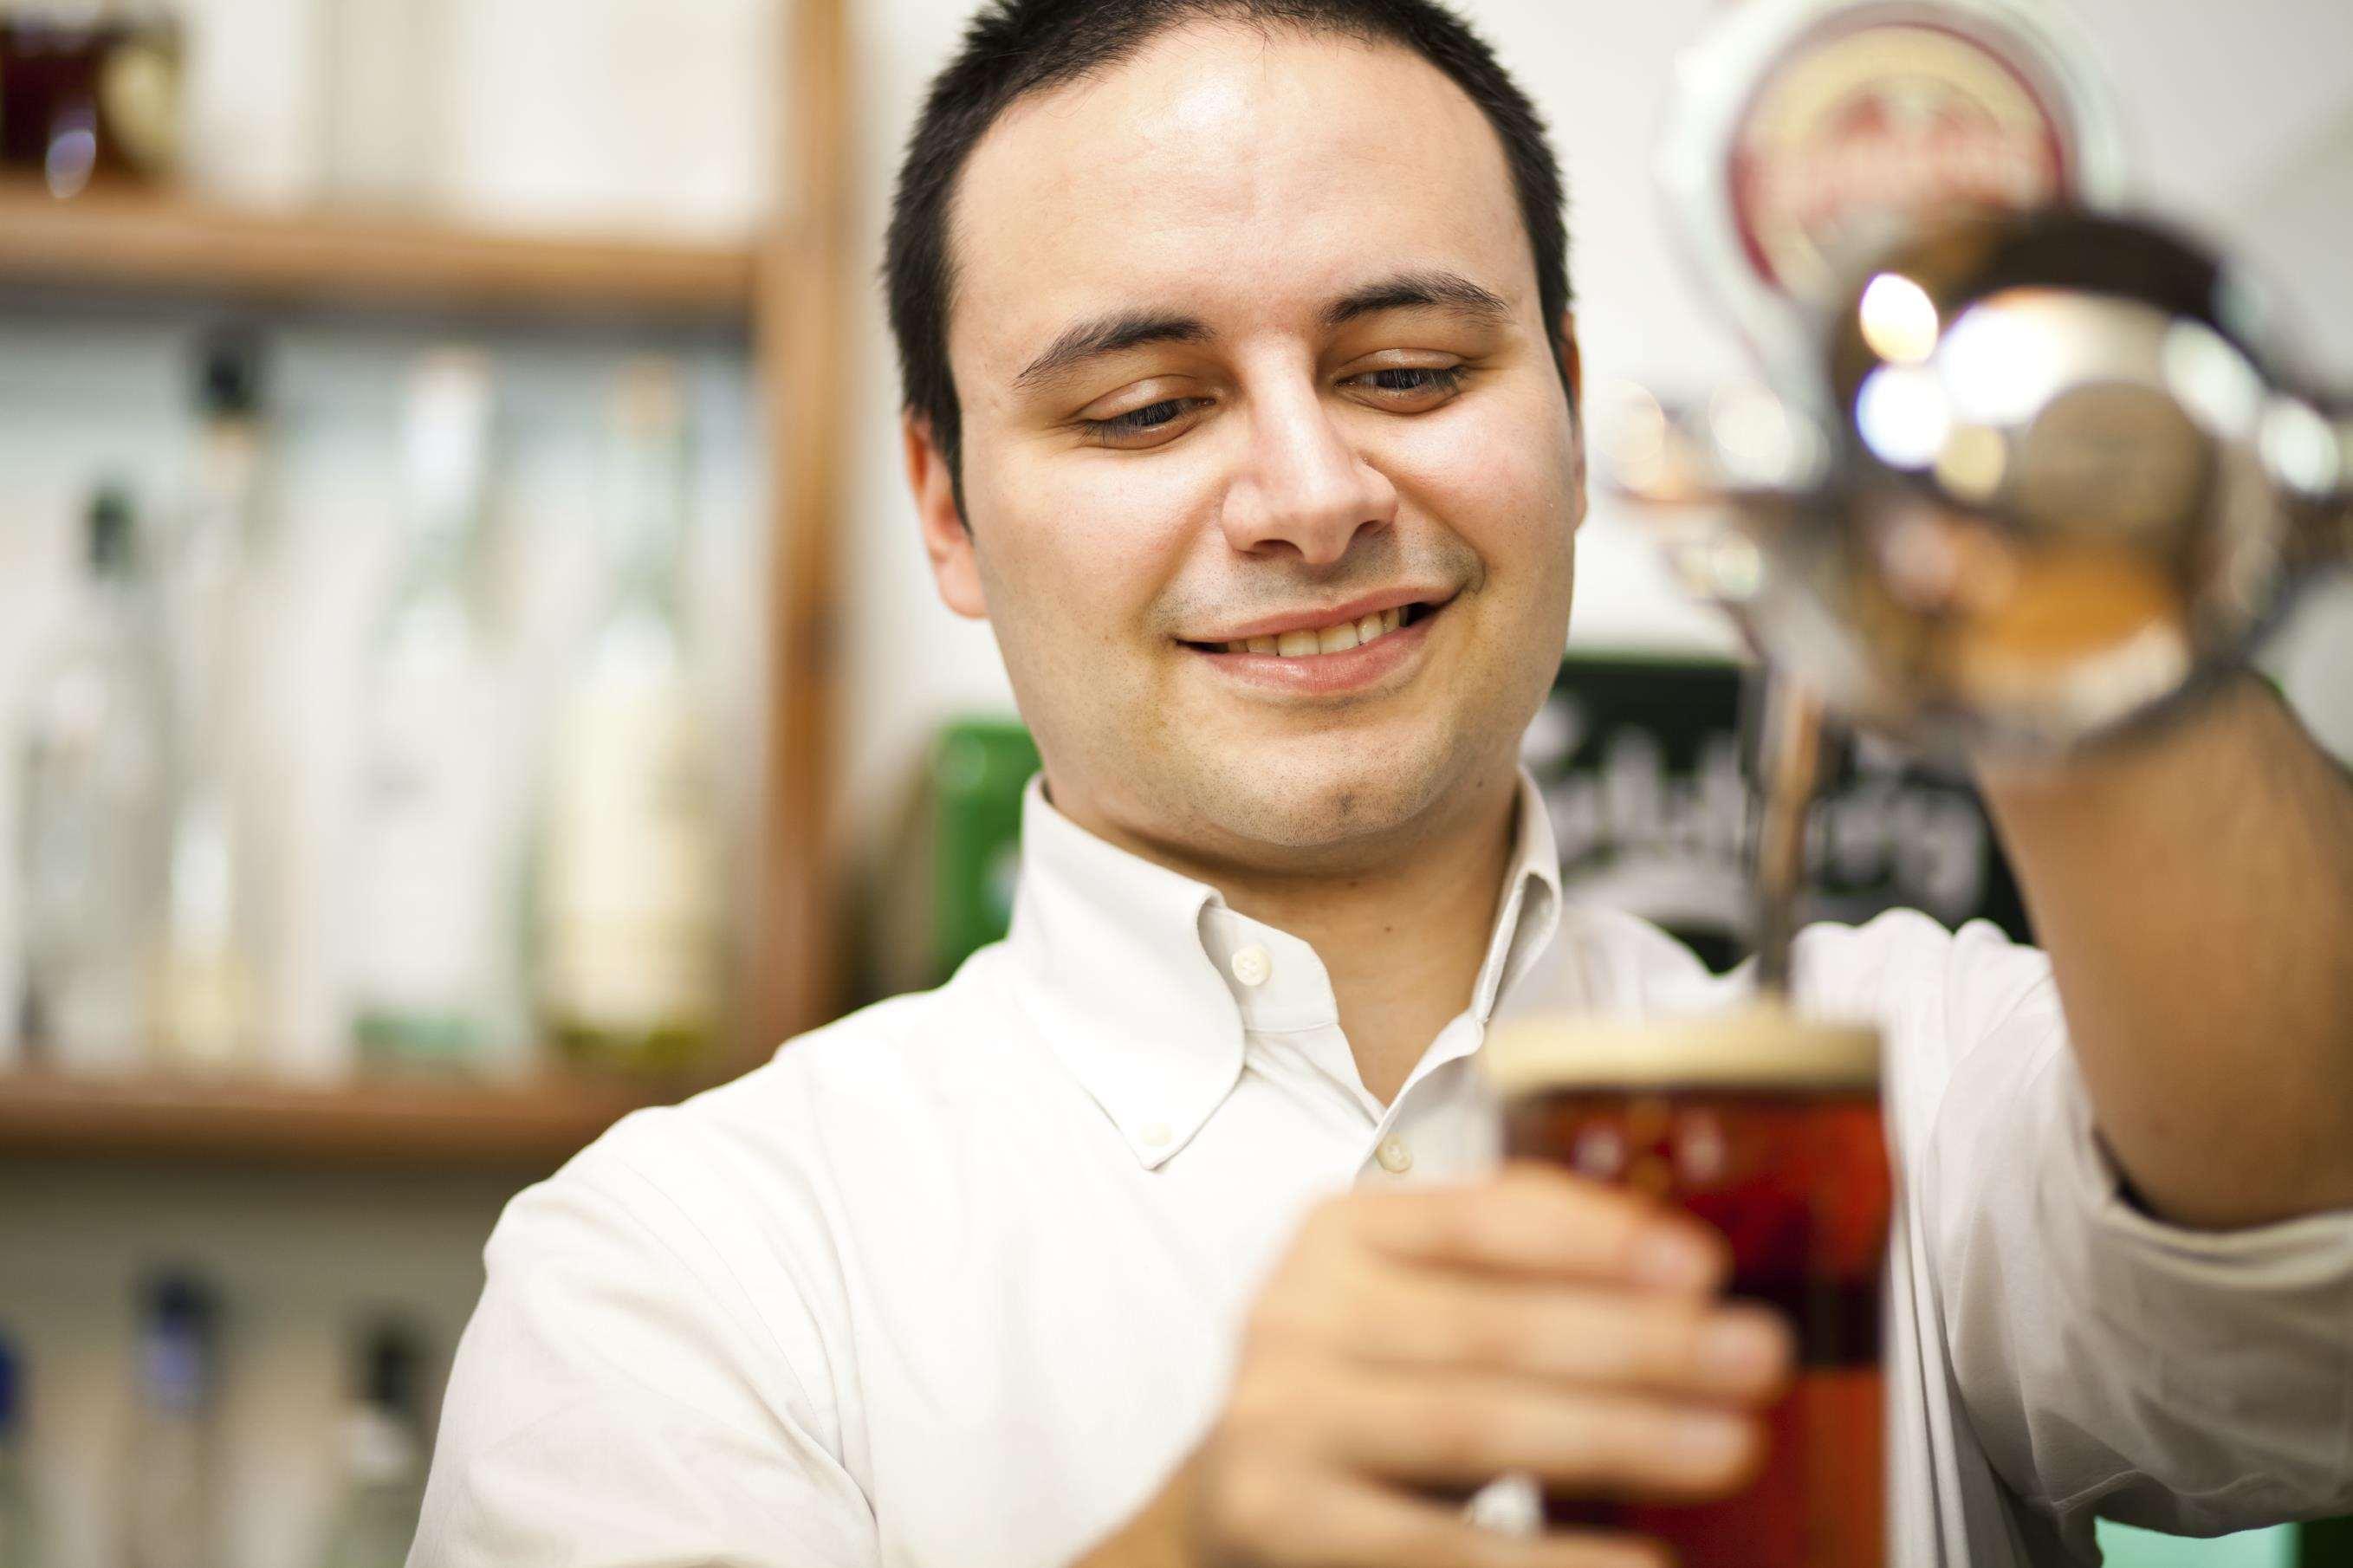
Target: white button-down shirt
[957, 1282]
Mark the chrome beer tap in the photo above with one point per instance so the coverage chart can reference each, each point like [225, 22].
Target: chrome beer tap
[2017, 473]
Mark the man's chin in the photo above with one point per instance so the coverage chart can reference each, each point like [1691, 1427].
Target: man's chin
[1304, 808]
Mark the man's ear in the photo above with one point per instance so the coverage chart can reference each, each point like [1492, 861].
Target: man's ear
[945, 539]
[1572, 364]
[1572, 371]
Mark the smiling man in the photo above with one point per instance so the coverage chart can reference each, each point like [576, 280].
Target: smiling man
[1250, 339]
[1241, 400]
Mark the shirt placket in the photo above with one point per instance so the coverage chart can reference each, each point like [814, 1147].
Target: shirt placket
[1414, 1138]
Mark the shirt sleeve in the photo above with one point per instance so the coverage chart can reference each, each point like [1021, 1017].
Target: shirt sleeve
[2111, 1364]
[615, 1404]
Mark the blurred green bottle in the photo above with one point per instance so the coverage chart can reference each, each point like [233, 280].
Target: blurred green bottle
[431, 949]
[630, 915]
[208, 988]
[93, 785]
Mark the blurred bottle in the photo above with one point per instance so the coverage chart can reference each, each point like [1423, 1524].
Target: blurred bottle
[630, 911]
[944, 887]
[90, 93]
[207, 986]
[432, 948]
[16, 1498]
[384, 1455]
[93, 822]
[168, 1484]
[386, 66]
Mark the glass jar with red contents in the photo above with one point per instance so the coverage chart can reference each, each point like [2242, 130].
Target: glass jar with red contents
[1767, 1127]
[88, 94]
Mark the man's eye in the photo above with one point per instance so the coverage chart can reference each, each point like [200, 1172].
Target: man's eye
[1137, 422]
[1417, 378]
[1403, 383]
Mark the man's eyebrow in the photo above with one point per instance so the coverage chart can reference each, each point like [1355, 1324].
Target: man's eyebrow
[1125, 330]
[1111, 334]
[1420, 291]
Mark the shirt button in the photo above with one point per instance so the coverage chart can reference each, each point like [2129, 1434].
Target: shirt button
[1253, 965]
[1155, 1134]
[1394, 1157]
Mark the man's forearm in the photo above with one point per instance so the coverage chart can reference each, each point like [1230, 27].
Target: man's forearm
[2194, 889]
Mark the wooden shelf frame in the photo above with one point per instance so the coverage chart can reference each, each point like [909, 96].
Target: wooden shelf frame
[381, 1124]
[127, 240]
[808, 291]
[792, 291]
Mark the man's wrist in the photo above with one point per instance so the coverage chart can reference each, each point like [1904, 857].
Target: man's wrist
[1161, 1535]
[2214, 704]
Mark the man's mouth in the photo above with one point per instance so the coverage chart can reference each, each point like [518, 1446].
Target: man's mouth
[1338, 636]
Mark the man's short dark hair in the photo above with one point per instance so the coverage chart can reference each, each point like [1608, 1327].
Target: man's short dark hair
[1015, 47]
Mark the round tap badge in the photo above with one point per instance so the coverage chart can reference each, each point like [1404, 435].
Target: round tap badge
[1806, 135]
[1861, 127]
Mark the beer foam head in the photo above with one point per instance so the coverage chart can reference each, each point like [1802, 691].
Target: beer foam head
[1762, 1046]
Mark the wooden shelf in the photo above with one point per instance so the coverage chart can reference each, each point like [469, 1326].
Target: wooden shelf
[383, 1123]
[129, 240]
[794, 294]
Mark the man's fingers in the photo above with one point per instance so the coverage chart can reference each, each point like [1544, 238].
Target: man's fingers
[1321, 1521]
[1456, 1429]
[1537, 1219]
[1679, 1345]
[1437, 1338]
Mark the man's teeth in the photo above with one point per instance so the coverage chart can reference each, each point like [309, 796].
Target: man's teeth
[1336, 639]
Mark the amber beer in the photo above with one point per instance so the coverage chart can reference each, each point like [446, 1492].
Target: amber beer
[1767, 1127]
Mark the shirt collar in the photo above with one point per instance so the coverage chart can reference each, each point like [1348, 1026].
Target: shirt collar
[1129, 969]
[1528, 914]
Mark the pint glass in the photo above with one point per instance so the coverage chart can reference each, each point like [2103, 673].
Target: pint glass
[1767, 1127]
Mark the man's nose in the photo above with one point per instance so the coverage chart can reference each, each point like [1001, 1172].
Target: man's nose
[1305, 486]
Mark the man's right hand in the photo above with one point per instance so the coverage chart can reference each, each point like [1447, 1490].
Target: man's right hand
[1416, 1344]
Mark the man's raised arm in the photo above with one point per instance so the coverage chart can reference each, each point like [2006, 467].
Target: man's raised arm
[2194, 889]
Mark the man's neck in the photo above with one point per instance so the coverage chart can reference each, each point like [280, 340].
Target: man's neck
[1401, 937]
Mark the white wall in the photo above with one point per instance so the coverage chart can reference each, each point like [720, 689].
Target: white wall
[2239, 120]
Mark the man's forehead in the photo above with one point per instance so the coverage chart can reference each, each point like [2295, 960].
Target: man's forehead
[1223, 167]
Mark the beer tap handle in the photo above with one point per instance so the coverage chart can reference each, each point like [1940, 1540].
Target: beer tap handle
[1792, 755]
[1717, 483]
